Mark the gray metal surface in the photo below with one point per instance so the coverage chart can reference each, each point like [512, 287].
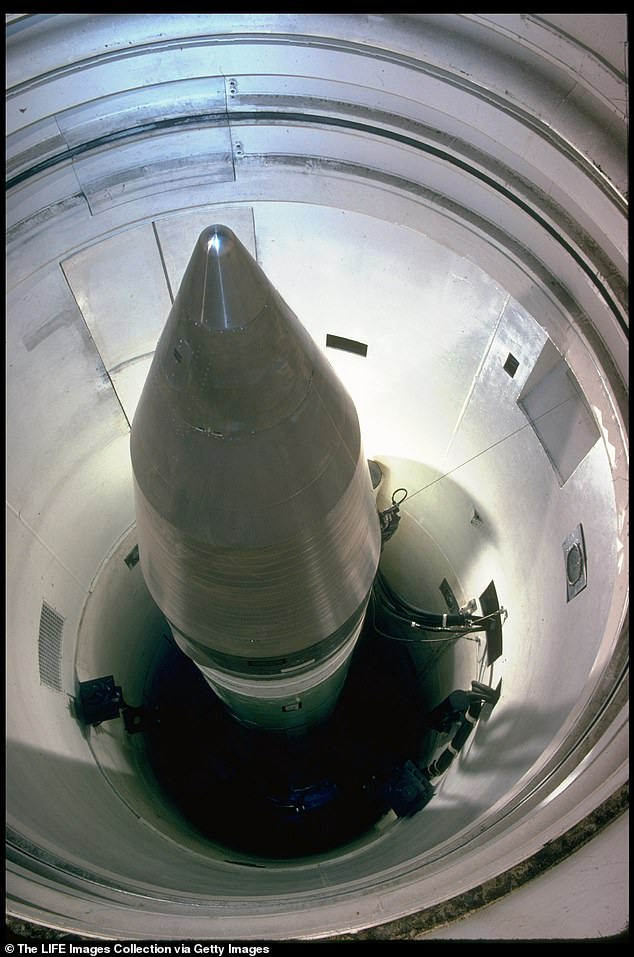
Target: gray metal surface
[258, 533]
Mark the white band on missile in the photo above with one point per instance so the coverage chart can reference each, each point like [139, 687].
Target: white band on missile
[281, 685]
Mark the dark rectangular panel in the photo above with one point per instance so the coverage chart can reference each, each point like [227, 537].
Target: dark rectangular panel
[347, 345]
[132, 558]
[490, 604]
[511, 365]
[449, 597]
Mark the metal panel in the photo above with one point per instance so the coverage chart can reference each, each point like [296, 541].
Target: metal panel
[427, 313]
[33, 144]
[157, 133]
[63, 426]
[154, 164]
[120, 287]
[553, 403]
[147, 107]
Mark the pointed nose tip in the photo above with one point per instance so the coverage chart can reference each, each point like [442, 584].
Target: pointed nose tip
[218, 240]
[223, 285]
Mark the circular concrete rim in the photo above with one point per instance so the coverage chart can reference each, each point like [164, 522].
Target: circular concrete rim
[600, 717]
[415, 926]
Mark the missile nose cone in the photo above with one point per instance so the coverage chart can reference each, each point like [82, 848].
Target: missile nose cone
[223, 287]
[258, 532]
[232, 357]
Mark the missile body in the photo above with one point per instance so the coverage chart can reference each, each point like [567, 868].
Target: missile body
[258, 532]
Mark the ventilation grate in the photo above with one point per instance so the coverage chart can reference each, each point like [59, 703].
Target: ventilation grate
[50, 647]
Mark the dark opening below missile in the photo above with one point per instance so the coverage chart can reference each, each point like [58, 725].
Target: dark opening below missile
[251, 793]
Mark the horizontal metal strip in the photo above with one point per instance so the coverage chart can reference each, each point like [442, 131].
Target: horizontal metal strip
[353, 125]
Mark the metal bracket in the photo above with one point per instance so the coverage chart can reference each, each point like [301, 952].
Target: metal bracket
[100, 699]
[574, 549]
[489, 695]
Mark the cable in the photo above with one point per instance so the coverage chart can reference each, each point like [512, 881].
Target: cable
[399, 610]
[392, 615]
[421, 641]
[391, 600]
[489, 447]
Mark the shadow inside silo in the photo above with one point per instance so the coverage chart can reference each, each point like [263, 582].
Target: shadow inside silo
[260, 795]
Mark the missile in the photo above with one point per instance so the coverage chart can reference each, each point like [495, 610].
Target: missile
[258, 532]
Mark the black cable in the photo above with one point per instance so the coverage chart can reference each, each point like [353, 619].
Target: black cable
[395, 619]
[399, 613]
[420, 615]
